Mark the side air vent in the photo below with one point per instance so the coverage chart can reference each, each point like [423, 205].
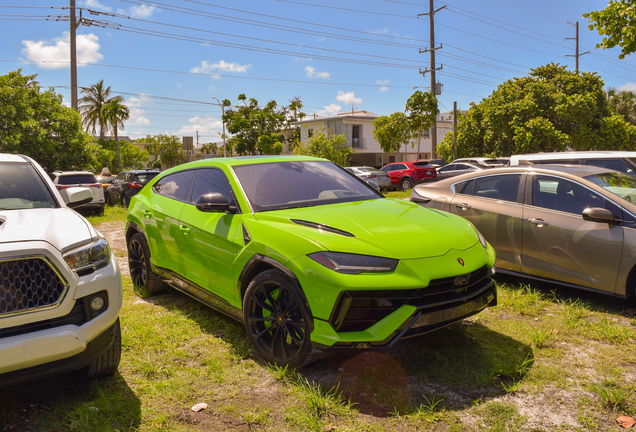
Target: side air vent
[322, 227]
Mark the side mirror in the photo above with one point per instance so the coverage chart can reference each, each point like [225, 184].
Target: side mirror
[597, 214]
[374, 184]
[214, 202]
[77, 196]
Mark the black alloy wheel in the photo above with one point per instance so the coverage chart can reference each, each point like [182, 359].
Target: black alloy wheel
[276, 319]
[145, 281]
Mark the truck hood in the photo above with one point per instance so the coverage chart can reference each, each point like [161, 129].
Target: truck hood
[390, 228]
[61, 227]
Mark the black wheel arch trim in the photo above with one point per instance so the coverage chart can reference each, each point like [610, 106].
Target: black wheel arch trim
[257, 259]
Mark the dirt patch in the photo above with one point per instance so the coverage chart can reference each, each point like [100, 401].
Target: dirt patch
[114, 233]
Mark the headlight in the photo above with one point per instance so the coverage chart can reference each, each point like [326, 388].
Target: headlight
[92, 257]
[482, 240]
[353, 264]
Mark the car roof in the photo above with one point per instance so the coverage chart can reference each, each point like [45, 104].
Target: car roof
[243, 160]
[6, 157]
[69, 173]
[574, 155]
[573, 170]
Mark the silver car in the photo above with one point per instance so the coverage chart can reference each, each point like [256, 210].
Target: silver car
[570, 224]
[369, 173]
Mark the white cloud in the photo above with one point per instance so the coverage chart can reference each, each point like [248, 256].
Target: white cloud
[629, 87]
[204, 125]
[178, 84]
[383, 83]
[58, 50]
[222, 66]
[347, 98]
[311, 73]
[136, 112]
[142, 11]
[329, 110]
[95, 4]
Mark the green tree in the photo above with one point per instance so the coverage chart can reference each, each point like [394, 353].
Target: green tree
[167, 149]
[622, 103]
[392, 131]
[95, 98]
[115, 113]
[36, 123]
[248, 122]
[332, 147]
[132, 157]
[617, 24]
[421, 109]
[550, 110]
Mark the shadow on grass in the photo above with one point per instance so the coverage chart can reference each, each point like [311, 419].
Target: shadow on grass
[70, 402]
[450, 368]
[458, 364]
[597, 302]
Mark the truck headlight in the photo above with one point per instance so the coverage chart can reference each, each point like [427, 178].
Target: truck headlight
[89, 258]
[354, 264]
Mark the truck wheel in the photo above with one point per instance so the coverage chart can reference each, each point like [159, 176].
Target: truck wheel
[108, 362]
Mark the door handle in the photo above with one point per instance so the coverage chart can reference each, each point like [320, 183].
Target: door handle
[538, 222]
[184, 229]
[463, 206]
[147, 213]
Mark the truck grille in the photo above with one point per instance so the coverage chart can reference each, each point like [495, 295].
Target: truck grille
[29, 283]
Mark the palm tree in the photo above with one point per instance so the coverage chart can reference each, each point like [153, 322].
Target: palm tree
[622, 102]
[94, 99]
[115, 113]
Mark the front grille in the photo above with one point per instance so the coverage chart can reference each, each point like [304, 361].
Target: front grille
[28, 283]
[359, 310]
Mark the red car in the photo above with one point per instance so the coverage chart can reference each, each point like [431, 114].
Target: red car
[405, 175]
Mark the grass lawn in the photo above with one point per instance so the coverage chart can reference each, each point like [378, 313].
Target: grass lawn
[546, 358]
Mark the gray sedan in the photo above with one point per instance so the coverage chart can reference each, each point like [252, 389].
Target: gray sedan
[369, 173]
[458, 168]
[570, 224]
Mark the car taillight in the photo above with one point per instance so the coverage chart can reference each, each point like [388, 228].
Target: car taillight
[96, 185]
[134, 185]
[372, 176]
[59, 187]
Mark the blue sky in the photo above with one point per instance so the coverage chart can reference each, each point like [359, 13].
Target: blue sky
[170, 58]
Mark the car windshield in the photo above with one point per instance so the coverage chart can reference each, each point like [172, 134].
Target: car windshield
[284, 185]
[618, 183]
[145, 177]
[22, 188]
[75, 179]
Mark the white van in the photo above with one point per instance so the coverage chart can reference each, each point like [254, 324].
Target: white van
[624, 161]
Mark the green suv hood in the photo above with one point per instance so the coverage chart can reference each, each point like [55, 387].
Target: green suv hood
[383, 227]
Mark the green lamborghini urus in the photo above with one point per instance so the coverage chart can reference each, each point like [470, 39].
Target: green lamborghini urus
[309, 257]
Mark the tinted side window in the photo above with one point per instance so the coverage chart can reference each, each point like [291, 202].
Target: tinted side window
[615, 164]
[448, 168]
[563, 195]
[468, 188]
[176, 185]
[503, 187]
[210, 181]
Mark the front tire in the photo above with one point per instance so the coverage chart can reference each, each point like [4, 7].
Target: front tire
[277, 320]
[145, 281]
[108, 362]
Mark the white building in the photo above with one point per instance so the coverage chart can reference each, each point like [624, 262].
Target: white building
[357, 126]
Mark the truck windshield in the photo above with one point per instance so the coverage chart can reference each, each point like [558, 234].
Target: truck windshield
[22, 188]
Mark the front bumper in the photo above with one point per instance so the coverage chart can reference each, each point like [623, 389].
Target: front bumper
[421, 295]
[43, 337]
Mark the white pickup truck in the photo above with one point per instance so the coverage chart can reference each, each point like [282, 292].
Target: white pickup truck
[60, 285]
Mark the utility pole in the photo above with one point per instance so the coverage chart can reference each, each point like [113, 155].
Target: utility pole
[223, 121]
[576, 55]
[431, 15]
[73, 57]
[454, 130]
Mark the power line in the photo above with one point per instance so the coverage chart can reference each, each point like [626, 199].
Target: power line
[346, 9]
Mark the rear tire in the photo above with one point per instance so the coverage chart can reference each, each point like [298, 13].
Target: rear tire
[145, 281]
[406, 184]
[277, 320]
[108, 362]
